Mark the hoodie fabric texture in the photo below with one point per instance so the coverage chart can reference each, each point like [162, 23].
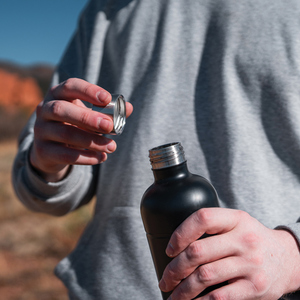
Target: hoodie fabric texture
[222, 78]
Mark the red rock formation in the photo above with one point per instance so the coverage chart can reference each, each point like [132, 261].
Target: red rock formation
[18, 92]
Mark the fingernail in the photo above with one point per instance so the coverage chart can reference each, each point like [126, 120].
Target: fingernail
[111, 147]
[102, 96]
[105, 125]
[170, 250]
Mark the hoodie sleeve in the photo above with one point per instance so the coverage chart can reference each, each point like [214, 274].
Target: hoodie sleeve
[293, 228]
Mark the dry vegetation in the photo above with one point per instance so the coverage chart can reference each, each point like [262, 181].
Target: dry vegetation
[31, 244]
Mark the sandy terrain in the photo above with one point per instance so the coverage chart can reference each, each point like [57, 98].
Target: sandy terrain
[31, 244]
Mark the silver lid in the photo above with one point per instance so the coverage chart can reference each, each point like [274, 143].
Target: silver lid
[117, 109]
[167, 155]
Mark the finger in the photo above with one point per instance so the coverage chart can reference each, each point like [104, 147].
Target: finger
[238, 290]
[83, 117]
[211, 276]
[75, 88]
[206, 220]
[129, 109]
[78, 103]
[59, 154]
[77, 138]
[200, 252]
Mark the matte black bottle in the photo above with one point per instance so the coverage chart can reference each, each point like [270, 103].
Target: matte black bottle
[174, 195]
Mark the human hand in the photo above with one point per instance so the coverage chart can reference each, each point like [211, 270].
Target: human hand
[257, 262]
[66, 132]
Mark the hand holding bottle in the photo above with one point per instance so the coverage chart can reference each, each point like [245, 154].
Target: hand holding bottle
[257, 262]
[175, 195]
[66, 132]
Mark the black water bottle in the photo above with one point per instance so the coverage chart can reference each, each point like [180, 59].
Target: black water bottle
[174, 195]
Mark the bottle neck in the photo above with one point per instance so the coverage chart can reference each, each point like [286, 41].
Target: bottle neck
[168, 161]
[166, 156]
[171, 173]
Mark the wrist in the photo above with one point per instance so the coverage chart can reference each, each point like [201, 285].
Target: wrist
[54, 177]
[45, 172]
[292, 262]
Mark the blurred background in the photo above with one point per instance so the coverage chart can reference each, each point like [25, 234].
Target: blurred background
[33, 36]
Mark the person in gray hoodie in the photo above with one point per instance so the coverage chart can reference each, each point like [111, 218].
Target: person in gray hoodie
[222, 78]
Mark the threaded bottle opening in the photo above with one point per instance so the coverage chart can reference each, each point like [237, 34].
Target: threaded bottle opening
[167, 155]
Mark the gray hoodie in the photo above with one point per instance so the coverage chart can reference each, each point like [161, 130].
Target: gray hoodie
[222, 78]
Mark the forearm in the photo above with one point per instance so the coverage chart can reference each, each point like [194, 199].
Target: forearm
[293, 240]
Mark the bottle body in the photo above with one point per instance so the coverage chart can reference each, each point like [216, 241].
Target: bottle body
[175, 195]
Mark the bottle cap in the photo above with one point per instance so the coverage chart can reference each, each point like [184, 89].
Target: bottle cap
[117, 109]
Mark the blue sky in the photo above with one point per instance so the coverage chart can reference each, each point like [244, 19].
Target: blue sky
[37, 31]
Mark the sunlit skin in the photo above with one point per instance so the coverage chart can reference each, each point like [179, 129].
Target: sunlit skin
[66, 132]
[257, 262]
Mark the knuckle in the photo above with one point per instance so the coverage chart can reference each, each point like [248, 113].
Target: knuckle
[52, 91]
[193, 251]
[65, 89]
[55, 108]
[257, 260]
[66, 85]
[85, 117]
[206, 274]
[218, 295]
[204, 216]
[260, 282]
[251, 240]
[243, 215]
[180, 293]
[62, 88]
[170, 272]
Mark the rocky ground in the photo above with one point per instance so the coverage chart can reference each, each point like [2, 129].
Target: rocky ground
[31, 244]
